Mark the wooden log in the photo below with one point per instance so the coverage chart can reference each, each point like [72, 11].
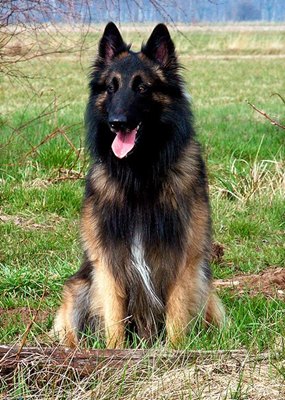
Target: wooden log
[85, 362]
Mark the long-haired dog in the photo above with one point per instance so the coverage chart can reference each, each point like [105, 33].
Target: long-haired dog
[145, 225]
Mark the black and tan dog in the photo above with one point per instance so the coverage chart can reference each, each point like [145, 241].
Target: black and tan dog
[145, 224]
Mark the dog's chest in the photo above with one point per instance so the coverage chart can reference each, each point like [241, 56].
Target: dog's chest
[143, 271]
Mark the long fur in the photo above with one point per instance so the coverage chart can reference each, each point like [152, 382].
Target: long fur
[146, 227]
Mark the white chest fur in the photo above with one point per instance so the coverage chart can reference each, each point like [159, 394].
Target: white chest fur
[143, 271]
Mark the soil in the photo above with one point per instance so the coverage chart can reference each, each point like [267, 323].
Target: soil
[23, 315]
[271, 283]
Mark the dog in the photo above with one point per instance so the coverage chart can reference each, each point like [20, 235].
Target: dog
[145, 225]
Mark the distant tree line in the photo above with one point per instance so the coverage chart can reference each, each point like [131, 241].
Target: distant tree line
[185, 11]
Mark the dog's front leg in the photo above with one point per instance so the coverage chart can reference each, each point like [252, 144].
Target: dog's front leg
[186, 299]
[113, 307]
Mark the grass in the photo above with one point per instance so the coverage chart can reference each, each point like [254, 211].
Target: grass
[41, 197]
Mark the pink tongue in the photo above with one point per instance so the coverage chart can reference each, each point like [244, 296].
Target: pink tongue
[123, 143]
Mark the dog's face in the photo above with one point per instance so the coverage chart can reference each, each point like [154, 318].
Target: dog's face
[129, 89]
[129, 86]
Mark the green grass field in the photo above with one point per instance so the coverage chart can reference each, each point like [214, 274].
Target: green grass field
[43, 164]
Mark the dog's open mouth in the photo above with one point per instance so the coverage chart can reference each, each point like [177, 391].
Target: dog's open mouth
[125, 141]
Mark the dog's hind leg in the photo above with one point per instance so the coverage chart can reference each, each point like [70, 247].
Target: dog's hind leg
[73, 313]
[214, 311]
[192, 295]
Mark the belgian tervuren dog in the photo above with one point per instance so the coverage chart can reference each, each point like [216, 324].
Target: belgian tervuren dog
[145, 225]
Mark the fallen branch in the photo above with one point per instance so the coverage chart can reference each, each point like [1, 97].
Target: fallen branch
[85, 362]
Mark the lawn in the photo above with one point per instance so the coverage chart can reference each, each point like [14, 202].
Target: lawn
[43, 163]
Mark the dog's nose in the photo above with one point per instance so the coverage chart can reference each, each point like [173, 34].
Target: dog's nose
[118, 123]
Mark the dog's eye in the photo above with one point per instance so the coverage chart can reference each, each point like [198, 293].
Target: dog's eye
[111, 88]
[142, 88]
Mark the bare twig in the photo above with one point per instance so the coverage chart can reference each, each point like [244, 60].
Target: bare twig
[280, 97]
[56, 132]
[22, 25]
[273, 122]
[29, 326]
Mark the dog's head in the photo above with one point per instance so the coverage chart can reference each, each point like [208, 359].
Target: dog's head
[129, 90]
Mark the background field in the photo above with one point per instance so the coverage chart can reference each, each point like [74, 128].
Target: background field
[43, 163]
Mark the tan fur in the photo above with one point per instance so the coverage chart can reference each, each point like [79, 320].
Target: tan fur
[100, 101]
[108, 299]
[108, 188]
[106, 76]
[162, 98]
[183, 304]
[63, 328]
[89, 231]
[214, 312]
[156, 69]
[191, 294]
[122, 55]
[189, 297]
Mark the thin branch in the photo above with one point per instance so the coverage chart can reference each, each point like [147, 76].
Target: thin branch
[29, 326]
[263, 113]
[279, 95]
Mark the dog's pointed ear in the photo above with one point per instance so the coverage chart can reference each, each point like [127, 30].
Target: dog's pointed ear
[159, 46]
[111, 43]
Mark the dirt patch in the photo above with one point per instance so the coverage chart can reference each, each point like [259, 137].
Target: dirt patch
[270, 283]
[23, 315]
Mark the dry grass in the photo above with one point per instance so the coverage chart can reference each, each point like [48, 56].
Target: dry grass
[214, 376]
[245, 180]
[234, 44]
[224, 379]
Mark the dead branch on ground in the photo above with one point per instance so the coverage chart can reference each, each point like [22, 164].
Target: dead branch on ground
[85, 362]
